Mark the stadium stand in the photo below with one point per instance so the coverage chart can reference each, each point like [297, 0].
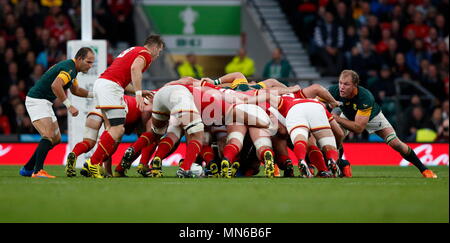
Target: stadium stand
[393, 44]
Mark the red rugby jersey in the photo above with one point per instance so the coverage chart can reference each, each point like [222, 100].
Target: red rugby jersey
[120, 69]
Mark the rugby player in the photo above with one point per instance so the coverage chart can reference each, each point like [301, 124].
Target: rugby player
[53, 84]
[109, 89]
[360, 112]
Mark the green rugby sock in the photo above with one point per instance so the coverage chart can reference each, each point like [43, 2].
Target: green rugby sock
[41, 153]
[412, 157]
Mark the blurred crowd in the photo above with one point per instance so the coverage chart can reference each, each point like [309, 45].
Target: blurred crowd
[33, 37]
[382, 40]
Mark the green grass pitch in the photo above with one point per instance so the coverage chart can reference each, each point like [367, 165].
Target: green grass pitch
[374, 194]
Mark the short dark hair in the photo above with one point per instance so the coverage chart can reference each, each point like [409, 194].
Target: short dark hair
[154, 40]
[352, 74]
[82, 53]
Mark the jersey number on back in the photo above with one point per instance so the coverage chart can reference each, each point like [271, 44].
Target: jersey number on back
[125, 52]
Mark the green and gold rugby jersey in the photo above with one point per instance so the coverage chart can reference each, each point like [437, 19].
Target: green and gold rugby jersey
[65, 70]
[362, 104]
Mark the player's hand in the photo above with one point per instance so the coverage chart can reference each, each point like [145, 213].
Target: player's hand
[73, 110]
[207, 80]
[140, 102]
[335, 104]
[147, 94]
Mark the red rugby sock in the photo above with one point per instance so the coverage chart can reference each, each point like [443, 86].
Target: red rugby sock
[192, 150]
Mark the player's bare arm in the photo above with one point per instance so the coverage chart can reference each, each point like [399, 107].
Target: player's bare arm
[272, 83]
[136, 78]
[81, 92]
[317, 90]
[285, 90]
[58, 90]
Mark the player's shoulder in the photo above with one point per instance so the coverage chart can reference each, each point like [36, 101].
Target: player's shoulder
[334, 90]
[365, 93]
[365, 97]
[66, 64]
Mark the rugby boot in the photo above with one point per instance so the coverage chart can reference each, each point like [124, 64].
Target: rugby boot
[304, 170]
[225, 171]
[334, 168]
[156, 167]
[143, 170]
[181, 173]
[429, 174]
[94, 170]
[70, 165]
[127, 158]
[345, 167]
[234, 168]
[269, 168]
[289, 171]
[42, 174]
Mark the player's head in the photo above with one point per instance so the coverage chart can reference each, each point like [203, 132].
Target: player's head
[84, 59]
[348, 82]
[154, 44]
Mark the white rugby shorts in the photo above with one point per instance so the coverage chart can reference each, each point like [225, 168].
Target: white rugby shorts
[309, 115]
[172, 100]
[108, 95]
[39, 108]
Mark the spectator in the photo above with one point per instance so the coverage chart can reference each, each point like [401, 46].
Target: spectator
[351, 40]
[241, 63]
[123, 21]
[30, 19]
[343, 16]
[23, 122]
[278, 67]
[445, 110]
[433, 82]
[5, 127]
[13, 76]
[362, 14]
[365, 61]
[383, 45]
[415, 56]
[305, 17]
[38, 70]
[443, 132]
[436, 118]
[374, 29]
[389, 55]
[415, 122]
[431, 42]
[400, 69]
[8, 30]
[190, 68]
[51, 55]
[328, 40]
[60, 27]
[441, 26]
[384, 87]
[420, 29]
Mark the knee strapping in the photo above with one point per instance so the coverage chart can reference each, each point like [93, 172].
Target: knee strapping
[90, 133]
[389, 138]
[176, 130]
[330, 141]
[299, 131]
[261, 142]
[194, 126]
[236, 135]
